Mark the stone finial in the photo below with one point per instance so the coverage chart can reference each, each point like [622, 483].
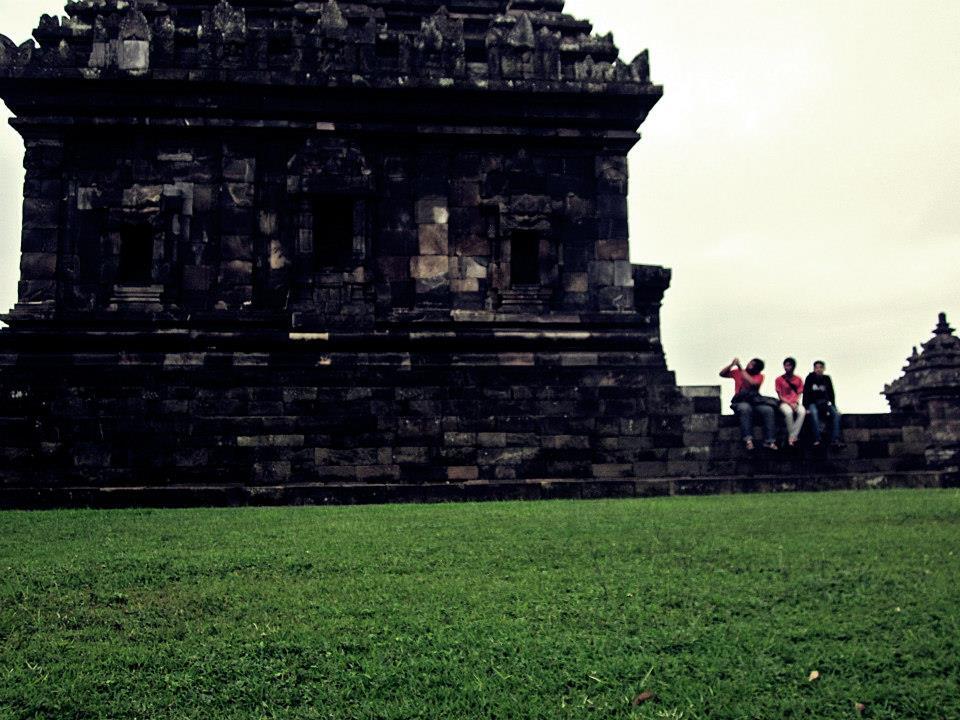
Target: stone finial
[48, 24]
[547, 39]
[430, 37]
[439, 46]
[640, 68]
[522, 34]
[165, 32]
[134, 25]
[548, 54]
[440, 29]
[8, 51]
[621, 71]
[24, 53]
[229, 21]
[100, 34]
[943, 327]
[451, 27]
[63, 55]
[331, 17]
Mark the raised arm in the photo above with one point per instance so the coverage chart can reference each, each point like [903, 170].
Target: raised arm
[725, 372]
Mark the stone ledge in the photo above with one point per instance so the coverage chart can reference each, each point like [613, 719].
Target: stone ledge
[21, 498]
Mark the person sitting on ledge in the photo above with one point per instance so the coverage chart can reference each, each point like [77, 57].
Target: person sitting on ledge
[789, 388]
[821, 403]
[747, 400]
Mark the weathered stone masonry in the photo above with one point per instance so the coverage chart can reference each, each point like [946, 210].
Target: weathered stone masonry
[279, 252]
[432, 146]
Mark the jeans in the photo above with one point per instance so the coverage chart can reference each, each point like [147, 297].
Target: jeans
[833, 413]
[793, 419]
[744, 413]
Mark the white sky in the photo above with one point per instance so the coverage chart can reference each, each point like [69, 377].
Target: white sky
[801, 177]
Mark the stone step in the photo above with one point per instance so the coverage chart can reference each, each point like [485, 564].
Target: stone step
[225, 494]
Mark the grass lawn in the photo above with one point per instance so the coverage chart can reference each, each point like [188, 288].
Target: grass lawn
[720, 606]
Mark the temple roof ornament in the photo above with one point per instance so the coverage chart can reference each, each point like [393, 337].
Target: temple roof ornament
[932, 372]
[522, 45]
[134, 25]
[227, 21]
[522, 34]
[331, 18]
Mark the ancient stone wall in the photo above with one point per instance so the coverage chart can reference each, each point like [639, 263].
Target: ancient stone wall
[252, 223]
[874, 443]
[308, 414]
[323, 421]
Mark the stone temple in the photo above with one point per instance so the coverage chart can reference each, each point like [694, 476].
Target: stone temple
[280, 251]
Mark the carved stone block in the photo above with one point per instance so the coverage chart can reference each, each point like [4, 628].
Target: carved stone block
[433, 239]
[133, 56]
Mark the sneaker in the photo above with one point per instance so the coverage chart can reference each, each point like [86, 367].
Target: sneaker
[771, 446]
[748, 443]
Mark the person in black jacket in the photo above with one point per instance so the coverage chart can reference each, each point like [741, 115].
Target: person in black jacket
[821, 403]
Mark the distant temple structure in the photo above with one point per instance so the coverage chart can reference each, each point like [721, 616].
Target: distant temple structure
[930, 387]
[281, 251]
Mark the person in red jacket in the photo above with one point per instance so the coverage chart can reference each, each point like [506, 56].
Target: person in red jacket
[789, 388]
[747, 401]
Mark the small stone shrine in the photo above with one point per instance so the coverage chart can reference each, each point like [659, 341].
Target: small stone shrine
[280, 251]
[930, 387]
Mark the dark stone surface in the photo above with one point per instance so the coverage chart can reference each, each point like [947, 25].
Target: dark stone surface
[326, 409]
[404, 411]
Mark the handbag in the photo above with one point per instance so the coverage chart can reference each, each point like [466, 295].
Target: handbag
[768, 401]
[749, 395]
[752, 396]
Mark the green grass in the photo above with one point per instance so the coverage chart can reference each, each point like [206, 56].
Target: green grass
[721, 606]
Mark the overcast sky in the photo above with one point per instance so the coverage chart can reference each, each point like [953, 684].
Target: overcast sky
[801, 176]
